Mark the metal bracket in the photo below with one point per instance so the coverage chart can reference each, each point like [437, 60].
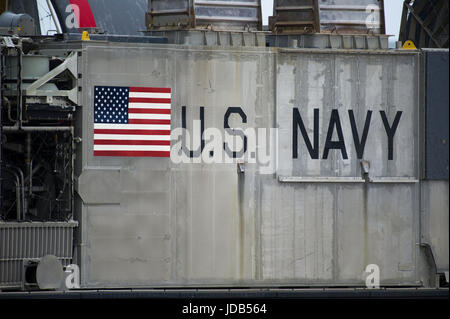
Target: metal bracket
[241, 167]
[8, 42]
[71, 64]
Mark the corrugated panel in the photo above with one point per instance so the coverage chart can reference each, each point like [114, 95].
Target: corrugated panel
[224, 14]
[23, 241]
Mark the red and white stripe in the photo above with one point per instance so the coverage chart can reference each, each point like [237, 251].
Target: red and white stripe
[147, 133]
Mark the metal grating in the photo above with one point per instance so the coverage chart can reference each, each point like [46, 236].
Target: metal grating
[32, 240]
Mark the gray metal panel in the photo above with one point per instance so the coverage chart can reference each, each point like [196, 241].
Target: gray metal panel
[346, 82]
[435, 221]
[326, 235]
[199, 224]
[194, 208]
[437, 114]
[340, 228]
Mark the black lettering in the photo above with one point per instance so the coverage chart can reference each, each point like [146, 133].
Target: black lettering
[360, 145]
[298, 122]
[390, 131]
[198, 152]
[340, 144]
[233, 132]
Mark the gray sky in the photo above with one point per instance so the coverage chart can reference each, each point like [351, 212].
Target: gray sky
[393, 12]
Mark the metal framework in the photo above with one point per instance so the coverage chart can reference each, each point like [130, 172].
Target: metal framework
[425, 22]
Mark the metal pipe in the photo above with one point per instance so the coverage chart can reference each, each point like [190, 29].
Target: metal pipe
[18, 201]
[72, 173]
[28, 163]
[25, 129]
[30, 180]
[19, 85]
[54, 17]
[22, 188]
[8, 106]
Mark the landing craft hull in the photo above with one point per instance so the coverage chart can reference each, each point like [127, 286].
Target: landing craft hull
[309, 222]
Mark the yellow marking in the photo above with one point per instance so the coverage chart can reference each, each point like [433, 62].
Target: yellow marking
[85, 36]
[409, 45]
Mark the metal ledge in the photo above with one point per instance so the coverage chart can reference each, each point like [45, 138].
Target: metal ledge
[382, 180]
[295, 179]
[202, 293]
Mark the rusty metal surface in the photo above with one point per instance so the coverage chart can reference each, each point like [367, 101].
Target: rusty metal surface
[295, 16]
[200, 14]
[325, 16]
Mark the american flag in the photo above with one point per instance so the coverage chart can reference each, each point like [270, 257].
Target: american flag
[132, 121]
